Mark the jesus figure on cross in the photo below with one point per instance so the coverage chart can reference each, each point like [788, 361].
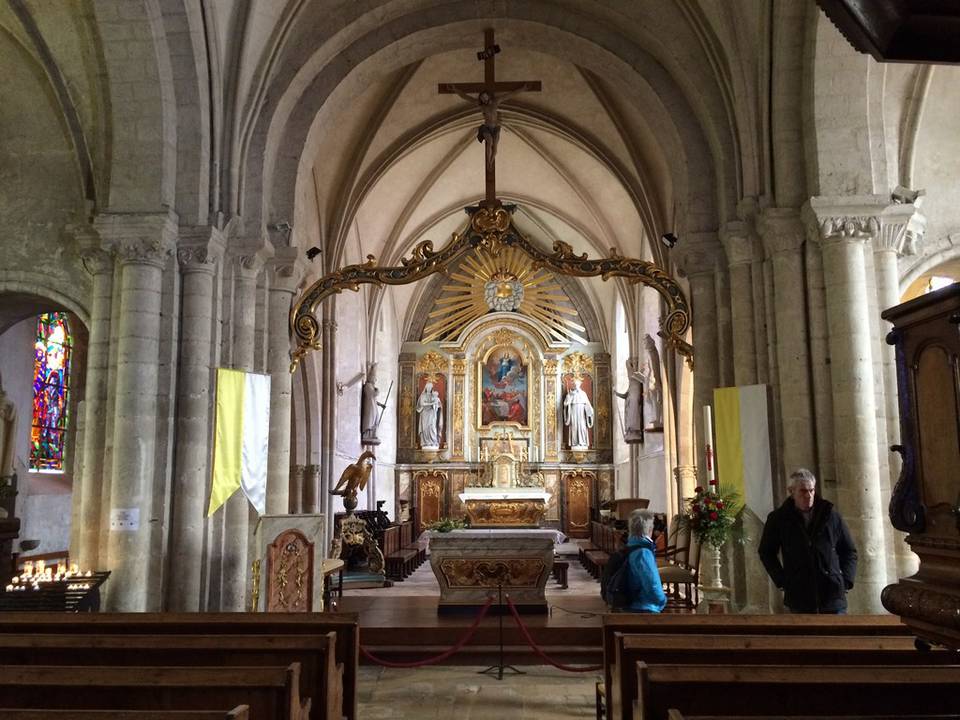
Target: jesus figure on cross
[489, 103]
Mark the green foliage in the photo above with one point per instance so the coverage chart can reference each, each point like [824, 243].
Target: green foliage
[445, 525]
[712, 515]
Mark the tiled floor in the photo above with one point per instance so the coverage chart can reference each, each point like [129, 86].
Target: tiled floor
[460, 693]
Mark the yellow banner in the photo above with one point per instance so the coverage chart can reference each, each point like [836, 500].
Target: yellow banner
[228, 439]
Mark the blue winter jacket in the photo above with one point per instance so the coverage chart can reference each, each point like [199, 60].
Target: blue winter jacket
[646, 589]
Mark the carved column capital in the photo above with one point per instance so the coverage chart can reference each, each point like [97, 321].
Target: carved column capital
[138, 238]
[287, 268]
[860, 218]
[781, 230]
[697, 253]
[894, 221]
[95, 258]
[250, 260]
[738, 239]
[200, 248]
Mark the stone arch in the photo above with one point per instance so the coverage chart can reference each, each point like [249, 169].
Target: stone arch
[281, 132]
[143, 159]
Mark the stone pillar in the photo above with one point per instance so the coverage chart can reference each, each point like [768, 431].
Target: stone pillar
[236, 530]
[698, 261]
[297, 473]
[199, 252]
[686, 479]
[285, 272]
[855, 414]
[311, 489]
[142, 243]
[738, 243]
[328, 410]
[887, 246]
[783, 236]
[99, 263]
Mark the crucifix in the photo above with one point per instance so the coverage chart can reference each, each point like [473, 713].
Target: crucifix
[489, 101]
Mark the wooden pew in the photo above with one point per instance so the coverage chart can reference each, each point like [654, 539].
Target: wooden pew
[243, 624]
[737, 624]
[272, 693]
[779, 689]
[320, 678]
[692, 649]
[241, 712]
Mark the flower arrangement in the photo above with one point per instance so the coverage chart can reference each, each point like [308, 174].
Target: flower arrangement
[711, 516]
[445, 525]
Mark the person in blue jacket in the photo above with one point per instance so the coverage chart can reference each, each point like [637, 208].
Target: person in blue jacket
[646, 589]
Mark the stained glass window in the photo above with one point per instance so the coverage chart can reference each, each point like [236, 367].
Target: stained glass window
[51, 382]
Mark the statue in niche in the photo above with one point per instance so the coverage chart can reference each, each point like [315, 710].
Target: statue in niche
[369, 415]
[578, 416]
[430, 423]
[651, 375]
[633, 406]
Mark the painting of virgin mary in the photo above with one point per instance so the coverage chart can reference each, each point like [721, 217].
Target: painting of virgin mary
[503, 388]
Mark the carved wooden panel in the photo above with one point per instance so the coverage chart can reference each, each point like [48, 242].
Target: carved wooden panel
[577, 493]
[290, 573]
[431, 498]
[937, 417]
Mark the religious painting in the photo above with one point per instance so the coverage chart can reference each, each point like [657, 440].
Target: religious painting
[504, 396]
[438, 393]
[567, 386]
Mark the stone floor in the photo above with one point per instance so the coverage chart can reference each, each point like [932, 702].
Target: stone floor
[444, 692]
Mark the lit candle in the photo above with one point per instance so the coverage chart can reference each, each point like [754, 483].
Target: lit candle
[28, 568]
[74, 568]
[41, 565]
[708, 448]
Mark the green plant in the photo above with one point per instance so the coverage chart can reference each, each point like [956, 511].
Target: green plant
[445, 525]
[712, 515]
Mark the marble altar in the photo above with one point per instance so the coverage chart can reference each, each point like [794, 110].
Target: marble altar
[515, 507]
[470, 564]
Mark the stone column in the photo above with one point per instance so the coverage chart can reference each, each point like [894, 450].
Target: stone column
[888, 245]
[199, 252]
[285, 272]
[855, 414]
[99, 263]
[738, 243]
[297, 473]
[142, 243]
[783, 236]
[686, 479]
[236, 530]
[311, 489]
[698, 261]
[328, 410]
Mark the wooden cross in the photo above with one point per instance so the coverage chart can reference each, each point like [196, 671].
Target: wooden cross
[489, 132]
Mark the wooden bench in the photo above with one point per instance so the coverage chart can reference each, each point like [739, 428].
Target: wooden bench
[605, 540]
[408, 542]
[738, 624]
[692, 649]
[400, 561]
[241, 712]
[321, 677]
[775, 689]
[677, 715]
[264, 625]
[560, 570]
[272, 693]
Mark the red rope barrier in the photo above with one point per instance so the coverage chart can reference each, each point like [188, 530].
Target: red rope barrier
[436, 658]
[539, 651]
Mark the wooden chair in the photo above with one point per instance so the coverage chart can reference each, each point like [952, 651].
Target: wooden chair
[241, 712]
[681, 576]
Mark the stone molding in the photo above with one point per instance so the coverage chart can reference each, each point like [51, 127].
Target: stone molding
[287, 268]
[200, 248]
[737, 238]
[861, 218]
[138, 238]
[782, 231]
[894, 222]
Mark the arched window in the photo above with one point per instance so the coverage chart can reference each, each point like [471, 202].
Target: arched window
[51, 386]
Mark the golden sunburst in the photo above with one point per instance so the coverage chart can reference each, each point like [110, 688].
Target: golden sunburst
[505, 283]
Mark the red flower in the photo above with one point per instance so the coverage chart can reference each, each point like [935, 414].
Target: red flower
[714, 516]
[698, 490]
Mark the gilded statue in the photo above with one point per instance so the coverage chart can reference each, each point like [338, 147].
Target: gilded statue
[354, 478]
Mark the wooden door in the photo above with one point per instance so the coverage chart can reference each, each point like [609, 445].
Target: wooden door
[577, 494]
[430, 489]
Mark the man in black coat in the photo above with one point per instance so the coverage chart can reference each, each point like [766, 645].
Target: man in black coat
[819, 559]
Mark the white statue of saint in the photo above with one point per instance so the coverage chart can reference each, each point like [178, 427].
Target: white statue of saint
[430, 423]
[651, 374]
[578, 416]
[633, 407]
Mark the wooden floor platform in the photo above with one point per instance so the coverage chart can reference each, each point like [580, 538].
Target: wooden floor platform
[402, 624]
